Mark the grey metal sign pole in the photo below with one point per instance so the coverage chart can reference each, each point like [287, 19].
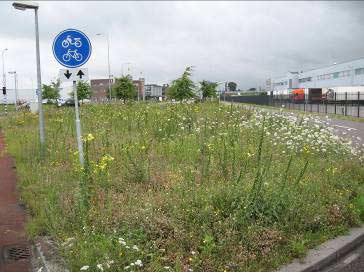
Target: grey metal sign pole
[78, 126]
[72, 49]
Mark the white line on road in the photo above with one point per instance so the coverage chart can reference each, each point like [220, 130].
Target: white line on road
[351, 258]
[348, 128]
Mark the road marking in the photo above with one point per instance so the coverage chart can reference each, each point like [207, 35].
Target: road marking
[351, 258]
[348, 128]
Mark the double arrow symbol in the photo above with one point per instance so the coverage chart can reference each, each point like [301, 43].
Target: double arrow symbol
[79, 74]
[67, 74]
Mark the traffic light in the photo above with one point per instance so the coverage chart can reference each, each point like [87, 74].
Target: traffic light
[4, 90]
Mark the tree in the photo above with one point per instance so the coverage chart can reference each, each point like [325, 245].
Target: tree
[51, 91]
[124, 88]
[83, 91]
[232, 86]
[252, 89]
[208, 89]
[183, 87]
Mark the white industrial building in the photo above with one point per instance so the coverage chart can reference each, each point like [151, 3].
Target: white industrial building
[349, 73]
[153, 90]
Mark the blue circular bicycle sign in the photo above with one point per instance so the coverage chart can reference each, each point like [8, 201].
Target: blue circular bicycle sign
[72, 48]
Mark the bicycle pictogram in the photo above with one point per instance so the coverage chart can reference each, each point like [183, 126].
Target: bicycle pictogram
[69, 41]
[72, 54]
[72, 48]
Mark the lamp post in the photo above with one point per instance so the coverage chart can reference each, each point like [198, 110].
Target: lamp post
[122, 67]
[4, 80]
[142, 84]
[108, 60]
[15, 88]
[23, 5]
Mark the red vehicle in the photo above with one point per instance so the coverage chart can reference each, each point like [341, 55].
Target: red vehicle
[298, 95]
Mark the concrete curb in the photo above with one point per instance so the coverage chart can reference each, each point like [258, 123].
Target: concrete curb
[327, 253]
[46, 257]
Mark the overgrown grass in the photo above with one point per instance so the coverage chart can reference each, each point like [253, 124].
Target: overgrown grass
[177, 187]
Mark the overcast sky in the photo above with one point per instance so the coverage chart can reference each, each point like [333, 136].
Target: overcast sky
[245, 42]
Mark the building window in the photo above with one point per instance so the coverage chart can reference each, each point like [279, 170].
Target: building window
[359, 71]
[323, 77]
[346, 73]
[301, 80]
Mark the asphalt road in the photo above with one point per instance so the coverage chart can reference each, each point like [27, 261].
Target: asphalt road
[352, 262]
[350, 130]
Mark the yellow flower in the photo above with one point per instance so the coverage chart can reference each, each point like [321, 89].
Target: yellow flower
[89, 138]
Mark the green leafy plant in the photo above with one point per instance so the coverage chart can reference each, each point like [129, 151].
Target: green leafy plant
[183, 87]
[124, 88]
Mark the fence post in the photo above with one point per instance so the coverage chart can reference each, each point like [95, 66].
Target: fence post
[335, 103]
[358, 104]
[325, 102]
[346, 101]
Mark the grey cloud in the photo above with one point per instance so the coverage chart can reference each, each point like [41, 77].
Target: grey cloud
[241, 41]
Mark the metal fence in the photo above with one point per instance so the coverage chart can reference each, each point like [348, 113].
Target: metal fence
[348, 104]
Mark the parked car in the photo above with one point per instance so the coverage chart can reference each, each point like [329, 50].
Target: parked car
[61, 101]
[68, 103]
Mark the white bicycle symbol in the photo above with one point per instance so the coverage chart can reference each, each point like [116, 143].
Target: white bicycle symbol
[68, 41]
[72, 54]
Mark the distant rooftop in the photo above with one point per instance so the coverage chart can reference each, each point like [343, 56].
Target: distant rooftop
[323, 66]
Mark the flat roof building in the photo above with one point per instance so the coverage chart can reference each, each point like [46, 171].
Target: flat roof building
[153, 90]
[348, 73]
[100, 88]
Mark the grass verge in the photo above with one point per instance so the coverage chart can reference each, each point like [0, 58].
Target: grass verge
[176, 187]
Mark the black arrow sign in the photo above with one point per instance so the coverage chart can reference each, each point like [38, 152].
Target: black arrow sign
[67, 74]
[80, 74]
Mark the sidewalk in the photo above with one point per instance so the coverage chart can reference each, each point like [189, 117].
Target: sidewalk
[14, 247]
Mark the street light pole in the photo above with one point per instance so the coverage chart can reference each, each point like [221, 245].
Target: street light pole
[108, 64]
[39, 81]
[15, 89]
[23, 5]
[122, 67]
[4, 81]
[108, 61]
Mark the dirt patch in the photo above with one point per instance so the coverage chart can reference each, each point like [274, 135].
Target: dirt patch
[12, 218]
